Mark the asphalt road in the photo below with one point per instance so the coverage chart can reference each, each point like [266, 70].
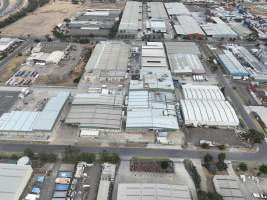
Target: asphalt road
[126, 153]
[238, 105]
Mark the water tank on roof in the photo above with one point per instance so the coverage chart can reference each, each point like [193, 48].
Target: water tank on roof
[25, 160]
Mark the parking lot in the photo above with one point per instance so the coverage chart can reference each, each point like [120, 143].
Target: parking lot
[8, 99]
[220, 136]
[91, 177]
[179, 177]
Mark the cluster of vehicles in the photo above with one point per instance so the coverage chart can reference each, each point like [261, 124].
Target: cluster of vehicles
[22, 77]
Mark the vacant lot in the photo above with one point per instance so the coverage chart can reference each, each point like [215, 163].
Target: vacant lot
[11, 68]
[43, 20]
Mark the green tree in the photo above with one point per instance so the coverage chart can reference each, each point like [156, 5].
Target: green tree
[71, 154]
[221, 157]
[104, 157]
[87, 157]
[51, 157]
[214, 196]
[208, 158]
[243, 166]
[28, 152]
[43, 157]
[202, 195]
[263, 169]
[164, 164]
[254, 136]
[115, 158]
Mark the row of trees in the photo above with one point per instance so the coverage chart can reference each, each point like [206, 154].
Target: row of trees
[214, 166]
[202, 195]
[262, 169]
[72, 155]
[32, 5]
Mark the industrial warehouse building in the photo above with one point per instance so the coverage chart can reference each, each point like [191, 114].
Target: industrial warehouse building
[153, 79]
[156, 10]
[92, 22]
[13, 180]
[185, 64]
[147, 191]
[151, 110]
[8, 43]
[131, 21]
[232, 65]
[182, 48]
[176, 9]
[31, 123]
[205, 106]
[96, 111]
[109, 61]
[228, 186]
[153, 55]
[205, 92]
[219, 29]
[187, 27]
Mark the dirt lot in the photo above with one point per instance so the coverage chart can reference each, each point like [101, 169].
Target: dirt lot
[11, 68]
[42, 21]
[220, 136]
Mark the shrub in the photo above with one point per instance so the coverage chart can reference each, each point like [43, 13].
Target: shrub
[243, 166]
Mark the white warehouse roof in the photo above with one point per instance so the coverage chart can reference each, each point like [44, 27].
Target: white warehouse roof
[13, 180]
[198, 112]
[208, 92]
[149, 191]
[156, 10]
[187, 25]
[218, 29]
[174, 8]
[185, 64]
[131, 20]
[109, 56]
[229, 187]
[149, 110]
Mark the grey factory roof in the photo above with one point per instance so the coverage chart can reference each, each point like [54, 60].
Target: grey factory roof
[109, 56]
[187, 25]
[185, 64]
[149, 110]
[156, 10]
[218, 29]
[228, 186]
[153, 61]
[252, 60]
[199, 112]
[13, 180]
[130, 21]
[240, 29]
[153, 49]
[208, 92]
[182, 48]
[174, 8]
[231, 64]
[96, 111]
[27, 121]
[156, 79]
[150, 191]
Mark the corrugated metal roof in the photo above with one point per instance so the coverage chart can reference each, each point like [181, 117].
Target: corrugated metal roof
[27, 121]
[150, 110]
[232, 65]
[175, 8]
[187, 25]
[130, 18]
